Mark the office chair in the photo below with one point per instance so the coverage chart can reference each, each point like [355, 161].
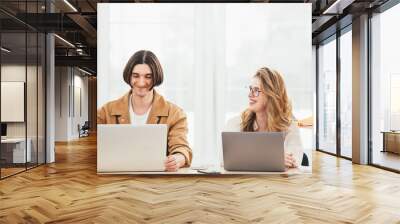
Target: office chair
[84, 130]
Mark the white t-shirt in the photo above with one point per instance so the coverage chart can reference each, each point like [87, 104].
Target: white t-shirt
[135, 118]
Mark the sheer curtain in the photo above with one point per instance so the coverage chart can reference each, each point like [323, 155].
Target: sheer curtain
[209, 53]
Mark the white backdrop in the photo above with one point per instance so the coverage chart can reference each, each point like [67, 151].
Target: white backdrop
[208, 52]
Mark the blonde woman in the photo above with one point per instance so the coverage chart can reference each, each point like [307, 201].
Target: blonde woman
[270, 110]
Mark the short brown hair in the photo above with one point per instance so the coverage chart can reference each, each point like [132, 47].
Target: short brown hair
[148, 58]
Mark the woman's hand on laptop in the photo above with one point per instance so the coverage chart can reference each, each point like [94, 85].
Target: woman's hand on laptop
[174, 162]
[290, 161]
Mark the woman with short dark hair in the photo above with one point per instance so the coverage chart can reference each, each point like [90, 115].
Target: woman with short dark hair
[143, 105]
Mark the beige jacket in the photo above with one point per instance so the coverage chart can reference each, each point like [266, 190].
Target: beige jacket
[162, 112]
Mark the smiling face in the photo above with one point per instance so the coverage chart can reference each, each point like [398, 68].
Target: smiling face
[268, 95]
[141, 80]
[256, 103]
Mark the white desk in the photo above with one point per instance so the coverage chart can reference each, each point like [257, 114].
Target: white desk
[18, 150]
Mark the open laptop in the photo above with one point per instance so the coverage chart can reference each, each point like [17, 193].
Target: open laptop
[253, 151]
[131, 148]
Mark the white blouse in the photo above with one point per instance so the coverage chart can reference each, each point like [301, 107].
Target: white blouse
[292, 140]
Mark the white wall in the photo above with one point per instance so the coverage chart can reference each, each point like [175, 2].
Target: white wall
[80, 100]
[71, 93]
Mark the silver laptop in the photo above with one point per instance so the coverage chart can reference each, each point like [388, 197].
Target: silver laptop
[253, 151]
[131, 148]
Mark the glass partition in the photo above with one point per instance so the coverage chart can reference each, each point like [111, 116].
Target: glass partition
[31, 99]
[22, 88]
[327, 96]
[346, 94]
[41, 97]
[385, 89]
[13, 93]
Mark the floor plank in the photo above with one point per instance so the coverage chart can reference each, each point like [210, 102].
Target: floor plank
[70, 191]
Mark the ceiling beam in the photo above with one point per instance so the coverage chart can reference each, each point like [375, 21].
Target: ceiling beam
[83, 61]
[86, 27]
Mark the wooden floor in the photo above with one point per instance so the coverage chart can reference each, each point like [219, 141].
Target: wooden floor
[69, 191]
[5, 172]
[387, 159]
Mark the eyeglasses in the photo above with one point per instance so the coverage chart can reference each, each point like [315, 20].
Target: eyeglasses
[255, 91]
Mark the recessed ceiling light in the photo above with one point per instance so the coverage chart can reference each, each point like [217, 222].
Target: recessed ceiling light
[70, 5]
[338, 6]
[5, 50]
[84, 71]
[64, 40]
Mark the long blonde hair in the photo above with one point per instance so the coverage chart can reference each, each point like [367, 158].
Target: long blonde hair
[278, 110]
